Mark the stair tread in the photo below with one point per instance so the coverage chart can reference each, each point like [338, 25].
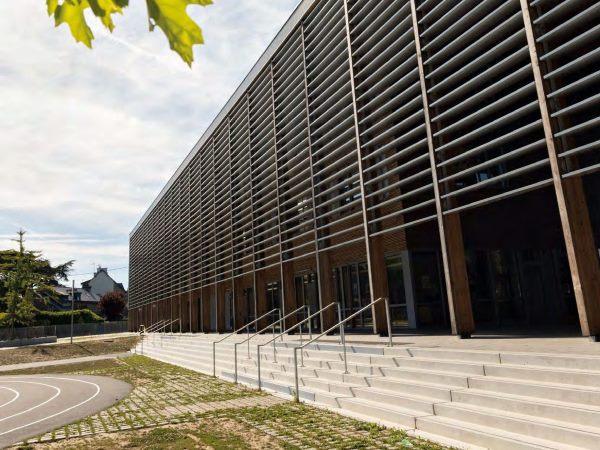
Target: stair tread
[387, 407]
[484, 410]
[414, 382]
[496, 432]
[578, 387]
[529, 399]
[400, 394]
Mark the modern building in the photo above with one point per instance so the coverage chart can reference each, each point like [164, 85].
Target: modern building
[444, 154]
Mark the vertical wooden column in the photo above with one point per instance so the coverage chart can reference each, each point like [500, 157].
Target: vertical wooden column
[287, 289]
[449, 226]
[220, 292]
[328, 317]
[380, 283]
[241, 315]
[572, 208]
[261, 299]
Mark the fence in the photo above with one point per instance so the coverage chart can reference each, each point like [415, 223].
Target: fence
[79, 329]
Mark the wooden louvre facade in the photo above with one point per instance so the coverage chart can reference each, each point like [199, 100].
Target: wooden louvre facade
[421, 150]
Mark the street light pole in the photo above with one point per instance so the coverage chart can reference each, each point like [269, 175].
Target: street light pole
[72, 308]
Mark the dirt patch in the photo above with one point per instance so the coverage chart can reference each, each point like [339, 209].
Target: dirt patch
[53, 352]
[217, 434]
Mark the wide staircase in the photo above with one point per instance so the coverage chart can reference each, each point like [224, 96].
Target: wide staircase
[466, 398]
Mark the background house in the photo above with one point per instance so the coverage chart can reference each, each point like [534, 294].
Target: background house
[88, 295]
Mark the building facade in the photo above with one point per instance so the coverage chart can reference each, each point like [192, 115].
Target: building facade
[443, 154]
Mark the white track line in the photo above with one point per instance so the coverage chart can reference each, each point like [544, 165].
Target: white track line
[17, 395]
[60, 412]
[58, 391]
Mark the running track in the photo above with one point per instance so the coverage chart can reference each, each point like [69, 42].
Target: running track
[34, 404]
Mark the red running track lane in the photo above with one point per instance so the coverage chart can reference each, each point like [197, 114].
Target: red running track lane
[34, 404]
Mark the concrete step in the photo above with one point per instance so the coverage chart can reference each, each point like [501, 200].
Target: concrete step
[482, 436]
[389, 413]
[552, 360]
[433, 391]
[405, 401]
[577, 395]
[472, 356]
[531, 406]
[538, 427]
[572, 377]
[427, 376]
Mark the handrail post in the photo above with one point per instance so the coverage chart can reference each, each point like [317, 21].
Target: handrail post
[258, 366]
[389, 321]
[214, 345]
[235, 378]
[248, 340]
[339, 308]
[274, 350]
[343, 338]
[296, 392]
[309, 323]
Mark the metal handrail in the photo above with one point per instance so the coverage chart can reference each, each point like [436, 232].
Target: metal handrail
[165, 325]
[341, 326]
[247, 327]
[153, 327]
[247, 340]
[299, 324]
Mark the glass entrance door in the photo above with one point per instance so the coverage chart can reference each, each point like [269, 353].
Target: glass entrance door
[352, 292]
[274, 299]
[307, 293]
[229, 311]
[248, 302]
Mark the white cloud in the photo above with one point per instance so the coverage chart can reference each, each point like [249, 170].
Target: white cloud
[88, 138]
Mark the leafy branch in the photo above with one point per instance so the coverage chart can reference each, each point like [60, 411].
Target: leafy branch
[169, 15]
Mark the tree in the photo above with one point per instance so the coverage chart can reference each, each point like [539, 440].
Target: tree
[24, 278]
[169, 15]
[112, 305]
[45, 274]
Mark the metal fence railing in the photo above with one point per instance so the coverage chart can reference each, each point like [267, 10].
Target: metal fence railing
[60, 331]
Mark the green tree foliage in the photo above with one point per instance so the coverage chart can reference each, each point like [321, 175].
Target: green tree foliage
[169, 15]
[112, 305]
[26, 277]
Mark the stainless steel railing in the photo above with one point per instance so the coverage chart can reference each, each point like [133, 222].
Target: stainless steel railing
[298, 325]
[167, 324]
[340, 324]
[247, 328]
[247, 340]
[152, 327]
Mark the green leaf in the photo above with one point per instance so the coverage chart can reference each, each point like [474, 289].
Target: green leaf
[71, 13]
[181, 31]
[51, 4]
[103, 9]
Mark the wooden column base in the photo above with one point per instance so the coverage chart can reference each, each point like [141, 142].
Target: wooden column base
[457, 282]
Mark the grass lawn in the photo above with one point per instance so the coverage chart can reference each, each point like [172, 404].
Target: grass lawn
[65, 351]
[174, 408]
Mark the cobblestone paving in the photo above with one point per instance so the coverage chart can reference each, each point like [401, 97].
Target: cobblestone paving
[162, 394]
[305, 427]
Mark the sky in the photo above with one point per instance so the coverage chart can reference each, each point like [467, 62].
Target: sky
[89, 137]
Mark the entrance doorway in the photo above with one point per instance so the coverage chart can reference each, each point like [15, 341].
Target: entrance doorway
[307, 293]
[213, 312]
[429, 294]
[229, 311]
[352, 292]
[521, 288]
[249, 307]
[274, 299]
